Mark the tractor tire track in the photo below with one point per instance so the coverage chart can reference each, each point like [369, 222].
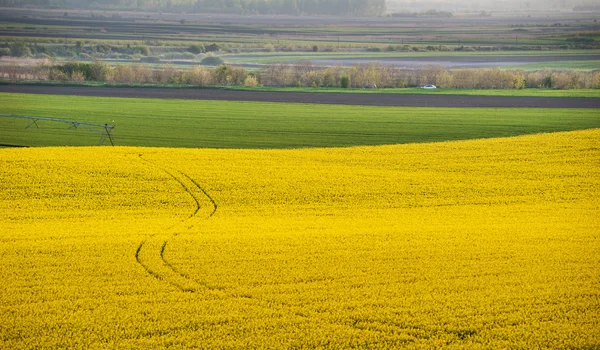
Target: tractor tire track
[150, 254]
[163, 270]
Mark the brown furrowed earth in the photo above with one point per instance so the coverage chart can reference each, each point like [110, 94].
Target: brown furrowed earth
[371, 99]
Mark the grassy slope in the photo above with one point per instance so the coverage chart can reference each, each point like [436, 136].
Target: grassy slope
[221, 124]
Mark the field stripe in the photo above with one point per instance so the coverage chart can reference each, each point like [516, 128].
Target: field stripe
[150, 254]
[370, 99]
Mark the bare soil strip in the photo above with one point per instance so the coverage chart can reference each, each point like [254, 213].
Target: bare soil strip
[372, 99]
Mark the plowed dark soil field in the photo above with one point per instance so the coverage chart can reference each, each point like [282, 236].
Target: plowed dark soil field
[371, 99]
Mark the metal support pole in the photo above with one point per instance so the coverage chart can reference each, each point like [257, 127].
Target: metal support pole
[103, 129]
[33, 122]
[108, 129]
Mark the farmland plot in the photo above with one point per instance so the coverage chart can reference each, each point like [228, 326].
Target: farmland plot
[483, 243]
[237, 124]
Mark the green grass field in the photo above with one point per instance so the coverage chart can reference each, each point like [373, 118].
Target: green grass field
[591, 93]
[222, 124]
[282, 57]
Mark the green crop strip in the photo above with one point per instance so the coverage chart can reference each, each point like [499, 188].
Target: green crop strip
[225, 124]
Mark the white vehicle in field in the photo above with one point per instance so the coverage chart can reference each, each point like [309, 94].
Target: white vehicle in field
[429, 86]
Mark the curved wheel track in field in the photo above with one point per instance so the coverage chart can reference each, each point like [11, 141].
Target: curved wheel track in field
[150, 254]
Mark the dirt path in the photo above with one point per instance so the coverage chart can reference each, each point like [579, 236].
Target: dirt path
[374, 99]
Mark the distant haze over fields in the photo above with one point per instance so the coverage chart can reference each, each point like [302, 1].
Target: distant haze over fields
[312, 7]
[475, 5]
[291, 7]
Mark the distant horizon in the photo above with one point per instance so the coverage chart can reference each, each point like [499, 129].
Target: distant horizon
[304, 7]
[515, 5]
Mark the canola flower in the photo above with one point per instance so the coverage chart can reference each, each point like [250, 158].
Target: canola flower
[472, 244]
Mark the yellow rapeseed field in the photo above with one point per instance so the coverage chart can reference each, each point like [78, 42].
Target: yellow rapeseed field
[472, 244]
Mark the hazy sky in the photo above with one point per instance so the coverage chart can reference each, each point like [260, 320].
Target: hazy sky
[453, 5]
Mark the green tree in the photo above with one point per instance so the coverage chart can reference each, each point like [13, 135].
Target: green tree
[196, 49]
[345, 81]
[20, 49]
[142, 50]
[548, 82]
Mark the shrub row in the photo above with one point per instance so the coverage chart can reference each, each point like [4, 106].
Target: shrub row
[306, 75]
[79, 48]
[383, 76]
[127, 50]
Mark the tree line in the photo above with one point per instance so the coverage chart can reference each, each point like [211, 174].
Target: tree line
[302, 75]
[289, 7]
